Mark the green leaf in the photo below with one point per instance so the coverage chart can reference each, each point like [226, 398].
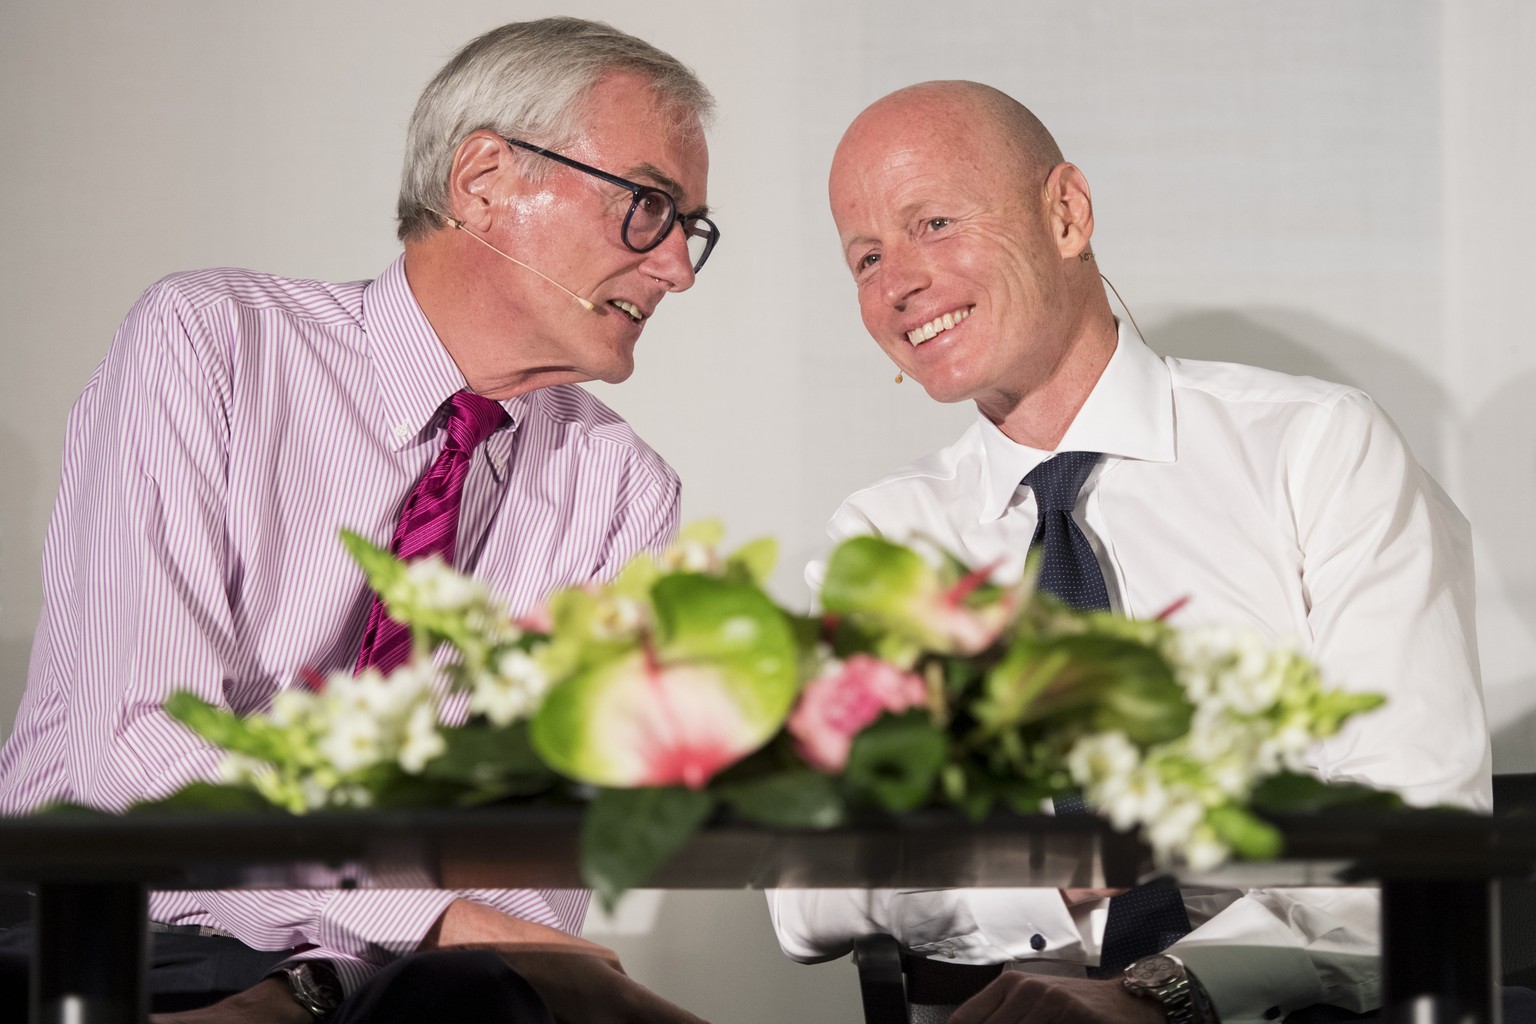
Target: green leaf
[382, 569]
[629, 833]
[495, 761]
[254, 736]
[200, 797]
[753, 561]
[708, 532]
[1249, 837]
[1295, 793]
[897, 760]
[799, 798]
[1331, 709]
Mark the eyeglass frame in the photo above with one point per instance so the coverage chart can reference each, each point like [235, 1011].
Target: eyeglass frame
[636, 191]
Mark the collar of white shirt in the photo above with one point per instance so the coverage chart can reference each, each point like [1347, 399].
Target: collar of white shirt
[1128, 415]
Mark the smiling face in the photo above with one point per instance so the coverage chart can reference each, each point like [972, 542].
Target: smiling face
[965, 251]
[567, 226]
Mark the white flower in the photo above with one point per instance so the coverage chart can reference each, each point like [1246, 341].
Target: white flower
[1212, 734]
[617, 618]
[423, 741]
[1251, 682]
[689, 556]
[240, 768]
[1286, 747]
[1204, 851]
[293, 708]
[1135, 798]
[515, 690]
[430, 585]
[1102, 755]
[1173, 827]
[353, 741]
[385, 699]
[316, 795]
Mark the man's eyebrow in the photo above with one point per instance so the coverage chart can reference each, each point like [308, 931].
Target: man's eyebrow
[653, 175]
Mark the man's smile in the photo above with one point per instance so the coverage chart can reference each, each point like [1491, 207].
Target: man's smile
[938, 325]
[628, 308]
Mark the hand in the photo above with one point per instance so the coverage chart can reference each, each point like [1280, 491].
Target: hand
[578, 980]
[270, 1001]
[1017, 997]
[1077, 897]
[581, 989]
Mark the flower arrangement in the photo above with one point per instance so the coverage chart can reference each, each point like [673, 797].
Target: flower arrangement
[680, 688]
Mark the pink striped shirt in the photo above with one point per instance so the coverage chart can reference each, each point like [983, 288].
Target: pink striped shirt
[237, 422]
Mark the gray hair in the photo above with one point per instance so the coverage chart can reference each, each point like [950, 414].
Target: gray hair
[528, 80]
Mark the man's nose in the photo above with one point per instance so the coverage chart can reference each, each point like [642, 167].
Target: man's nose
[670, 262]
[902, 275]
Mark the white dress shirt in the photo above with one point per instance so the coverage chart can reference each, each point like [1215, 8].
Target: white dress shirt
[1282, 503]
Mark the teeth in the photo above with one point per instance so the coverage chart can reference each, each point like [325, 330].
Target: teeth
[629, 308]
[937, 325]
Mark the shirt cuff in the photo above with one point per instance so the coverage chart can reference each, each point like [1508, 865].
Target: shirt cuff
[380, 924]
[1026, 924]
[351, 972]
[1250, 964]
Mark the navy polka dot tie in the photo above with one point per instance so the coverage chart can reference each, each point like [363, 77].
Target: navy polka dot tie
[1068, 568]
[1146, 920]
[1150, 917]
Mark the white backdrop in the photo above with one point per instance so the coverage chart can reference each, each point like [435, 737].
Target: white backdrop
[1335, 189]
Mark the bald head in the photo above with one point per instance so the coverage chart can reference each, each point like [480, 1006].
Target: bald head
[987, 115]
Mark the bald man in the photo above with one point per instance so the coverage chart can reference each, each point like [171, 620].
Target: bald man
[1284, 504]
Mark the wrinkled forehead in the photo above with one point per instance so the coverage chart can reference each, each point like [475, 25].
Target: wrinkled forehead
[637, 132]
[881, 169]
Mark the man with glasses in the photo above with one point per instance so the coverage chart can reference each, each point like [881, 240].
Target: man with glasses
[553, 194]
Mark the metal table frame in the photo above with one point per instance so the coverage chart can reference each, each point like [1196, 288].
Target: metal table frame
[91, 874]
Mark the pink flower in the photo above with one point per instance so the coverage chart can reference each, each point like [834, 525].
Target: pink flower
[837, 706]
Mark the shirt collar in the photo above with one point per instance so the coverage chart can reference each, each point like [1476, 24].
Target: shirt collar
[1128, 415]
[416, 374]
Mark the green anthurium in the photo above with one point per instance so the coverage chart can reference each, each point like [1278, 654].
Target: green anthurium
[912, 603]
[1108, 682]
[710, 684]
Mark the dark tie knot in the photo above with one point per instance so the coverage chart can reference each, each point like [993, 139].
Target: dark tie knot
[1056, 481]
[471, 419]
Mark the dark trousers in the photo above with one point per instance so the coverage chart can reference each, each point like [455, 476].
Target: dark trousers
[188, 971]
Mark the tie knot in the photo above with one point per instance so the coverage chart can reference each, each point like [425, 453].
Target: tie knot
[471, 419]
[1057, 480]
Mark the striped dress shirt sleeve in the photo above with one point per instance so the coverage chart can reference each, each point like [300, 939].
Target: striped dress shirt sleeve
[236, 423]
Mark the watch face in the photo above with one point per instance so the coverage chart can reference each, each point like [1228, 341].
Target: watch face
[1154, 971]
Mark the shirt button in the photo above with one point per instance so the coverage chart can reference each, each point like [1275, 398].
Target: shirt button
[402, 431]
[1037, 942]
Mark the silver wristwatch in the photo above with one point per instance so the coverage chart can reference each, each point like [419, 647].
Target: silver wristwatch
[1164, 977]
[315, 986]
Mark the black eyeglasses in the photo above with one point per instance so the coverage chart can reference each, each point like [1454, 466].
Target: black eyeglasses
[652, 212]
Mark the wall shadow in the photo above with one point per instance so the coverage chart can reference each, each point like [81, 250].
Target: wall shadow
[1300, 342]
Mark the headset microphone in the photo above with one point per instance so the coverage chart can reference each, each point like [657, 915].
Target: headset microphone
[460, 225]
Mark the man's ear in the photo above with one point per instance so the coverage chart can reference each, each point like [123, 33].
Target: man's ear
[473, 179]
[1069, 210]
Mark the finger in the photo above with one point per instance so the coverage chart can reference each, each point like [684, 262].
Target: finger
[985, 1003]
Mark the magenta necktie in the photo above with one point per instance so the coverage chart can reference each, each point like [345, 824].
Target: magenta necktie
[429, 524]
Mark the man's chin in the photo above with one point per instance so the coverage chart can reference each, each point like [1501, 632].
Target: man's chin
[947, 392]
[616, 374]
